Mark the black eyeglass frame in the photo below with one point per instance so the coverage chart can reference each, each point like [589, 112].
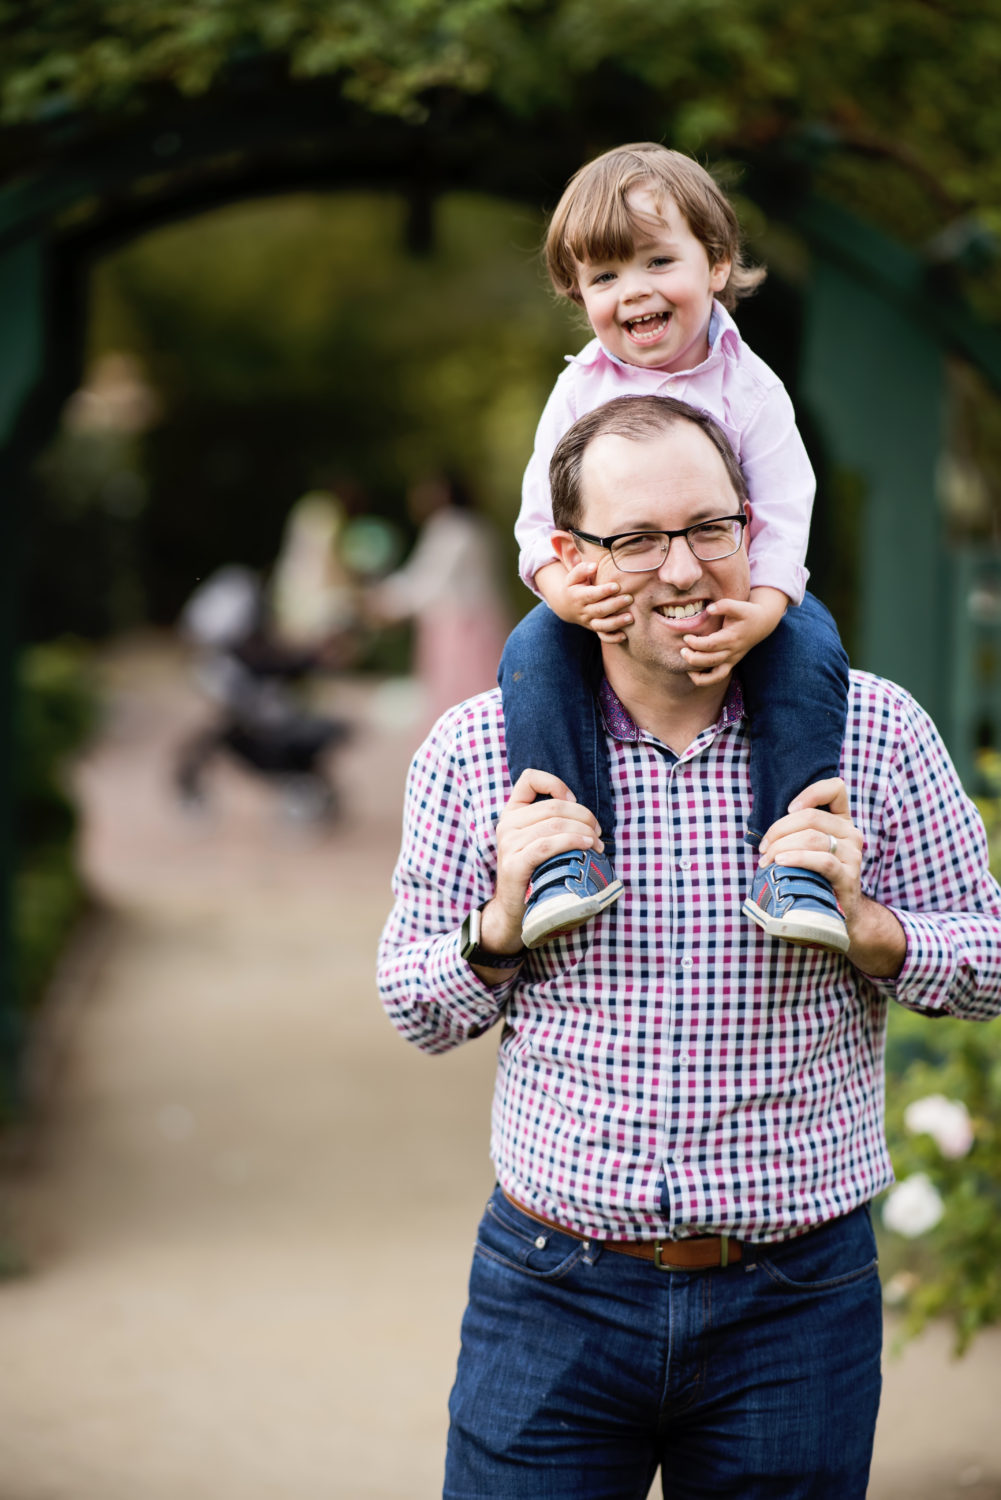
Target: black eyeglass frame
[609, 541]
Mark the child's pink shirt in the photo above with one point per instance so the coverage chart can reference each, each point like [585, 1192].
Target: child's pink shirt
[751, 405]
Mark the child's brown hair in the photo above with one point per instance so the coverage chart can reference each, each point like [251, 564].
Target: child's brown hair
[593, 220]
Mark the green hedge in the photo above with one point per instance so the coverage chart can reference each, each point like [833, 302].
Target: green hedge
[56, 712]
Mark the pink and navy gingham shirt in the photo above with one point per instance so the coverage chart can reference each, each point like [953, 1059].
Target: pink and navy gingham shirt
[748, 401]
[668, 1070]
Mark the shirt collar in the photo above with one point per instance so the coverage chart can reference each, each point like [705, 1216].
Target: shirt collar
[724, 338]
[622, 726]
[724, 335]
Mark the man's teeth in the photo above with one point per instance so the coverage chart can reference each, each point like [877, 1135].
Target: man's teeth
[683, 611]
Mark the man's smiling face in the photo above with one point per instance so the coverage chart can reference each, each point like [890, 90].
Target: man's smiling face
[674, 480]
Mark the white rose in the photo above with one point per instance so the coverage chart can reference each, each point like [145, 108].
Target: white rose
[913, 1206]
[947, 1121]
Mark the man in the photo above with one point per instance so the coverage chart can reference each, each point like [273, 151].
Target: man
[677, 1268]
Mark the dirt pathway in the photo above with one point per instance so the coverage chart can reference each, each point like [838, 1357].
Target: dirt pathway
[247, 1207]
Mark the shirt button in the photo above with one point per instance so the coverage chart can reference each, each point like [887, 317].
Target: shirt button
[684, 864]
[686, 963]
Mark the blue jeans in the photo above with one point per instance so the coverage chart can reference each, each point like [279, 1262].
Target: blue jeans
[795, 686]
[583, 1370]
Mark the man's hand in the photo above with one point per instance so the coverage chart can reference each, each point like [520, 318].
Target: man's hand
[745, 623]
[601, 607]
[529, 832]
[818, 834]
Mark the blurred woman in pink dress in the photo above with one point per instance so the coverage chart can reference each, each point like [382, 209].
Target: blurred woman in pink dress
[449, 587]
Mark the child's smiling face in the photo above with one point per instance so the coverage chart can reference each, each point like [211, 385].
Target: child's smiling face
[652, 308]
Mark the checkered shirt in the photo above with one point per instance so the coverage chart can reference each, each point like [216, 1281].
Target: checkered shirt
[667, 1069]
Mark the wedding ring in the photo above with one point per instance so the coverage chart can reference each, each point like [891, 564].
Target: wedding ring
[834, 844]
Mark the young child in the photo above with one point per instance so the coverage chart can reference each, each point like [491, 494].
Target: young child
[645, 241]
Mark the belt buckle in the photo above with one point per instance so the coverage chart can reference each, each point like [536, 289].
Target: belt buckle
[666, 1265]
[663, 1265]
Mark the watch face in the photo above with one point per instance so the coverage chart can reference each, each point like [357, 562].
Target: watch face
[469, 937]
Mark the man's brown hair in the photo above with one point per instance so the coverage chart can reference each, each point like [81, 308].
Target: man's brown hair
[639, 418]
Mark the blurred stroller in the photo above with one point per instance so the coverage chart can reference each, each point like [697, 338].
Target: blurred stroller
[254, 679]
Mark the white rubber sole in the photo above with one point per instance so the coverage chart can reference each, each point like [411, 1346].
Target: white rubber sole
[563, 913]
[806, 929]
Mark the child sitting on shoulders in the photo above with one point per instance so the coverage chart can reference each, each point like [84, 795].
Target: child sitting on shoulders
[645, 241]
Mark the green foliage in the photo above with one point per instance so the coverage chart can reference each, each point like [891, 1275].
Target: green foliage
[57, 711]
[48, 898]
[954, 1269]
[904, 87]
[989, 766]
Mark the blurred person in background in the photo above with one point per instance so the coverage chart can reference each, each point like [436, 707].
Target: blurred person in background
[449, 586]
[312, 594]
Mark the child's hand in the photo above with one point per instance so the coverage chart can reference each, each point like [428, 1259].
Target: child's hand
[601, 607]
[745, 623]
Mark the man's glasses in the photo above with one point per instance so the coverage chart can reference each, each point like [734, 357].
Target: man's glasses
[645, 551]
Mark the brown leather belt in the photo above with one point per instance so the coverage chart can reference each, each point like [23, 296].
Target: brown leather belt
[699, 1254]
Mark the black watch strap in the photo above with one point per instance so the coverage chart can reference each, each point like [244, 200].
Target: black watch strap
[469, 946]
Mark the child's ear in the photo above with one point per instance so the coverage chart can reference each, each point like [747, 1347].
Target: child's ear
[720, 275]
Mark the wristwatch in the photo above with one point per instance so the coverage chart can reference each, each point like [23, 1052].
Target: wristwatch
[469, 946]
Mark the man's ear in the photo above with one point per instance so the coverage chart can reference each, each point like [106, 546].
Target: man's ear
[566, 549]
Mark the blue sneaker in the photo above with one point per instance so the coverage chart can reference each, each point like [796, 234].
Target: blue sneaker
[799, 906]
[565, 892]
